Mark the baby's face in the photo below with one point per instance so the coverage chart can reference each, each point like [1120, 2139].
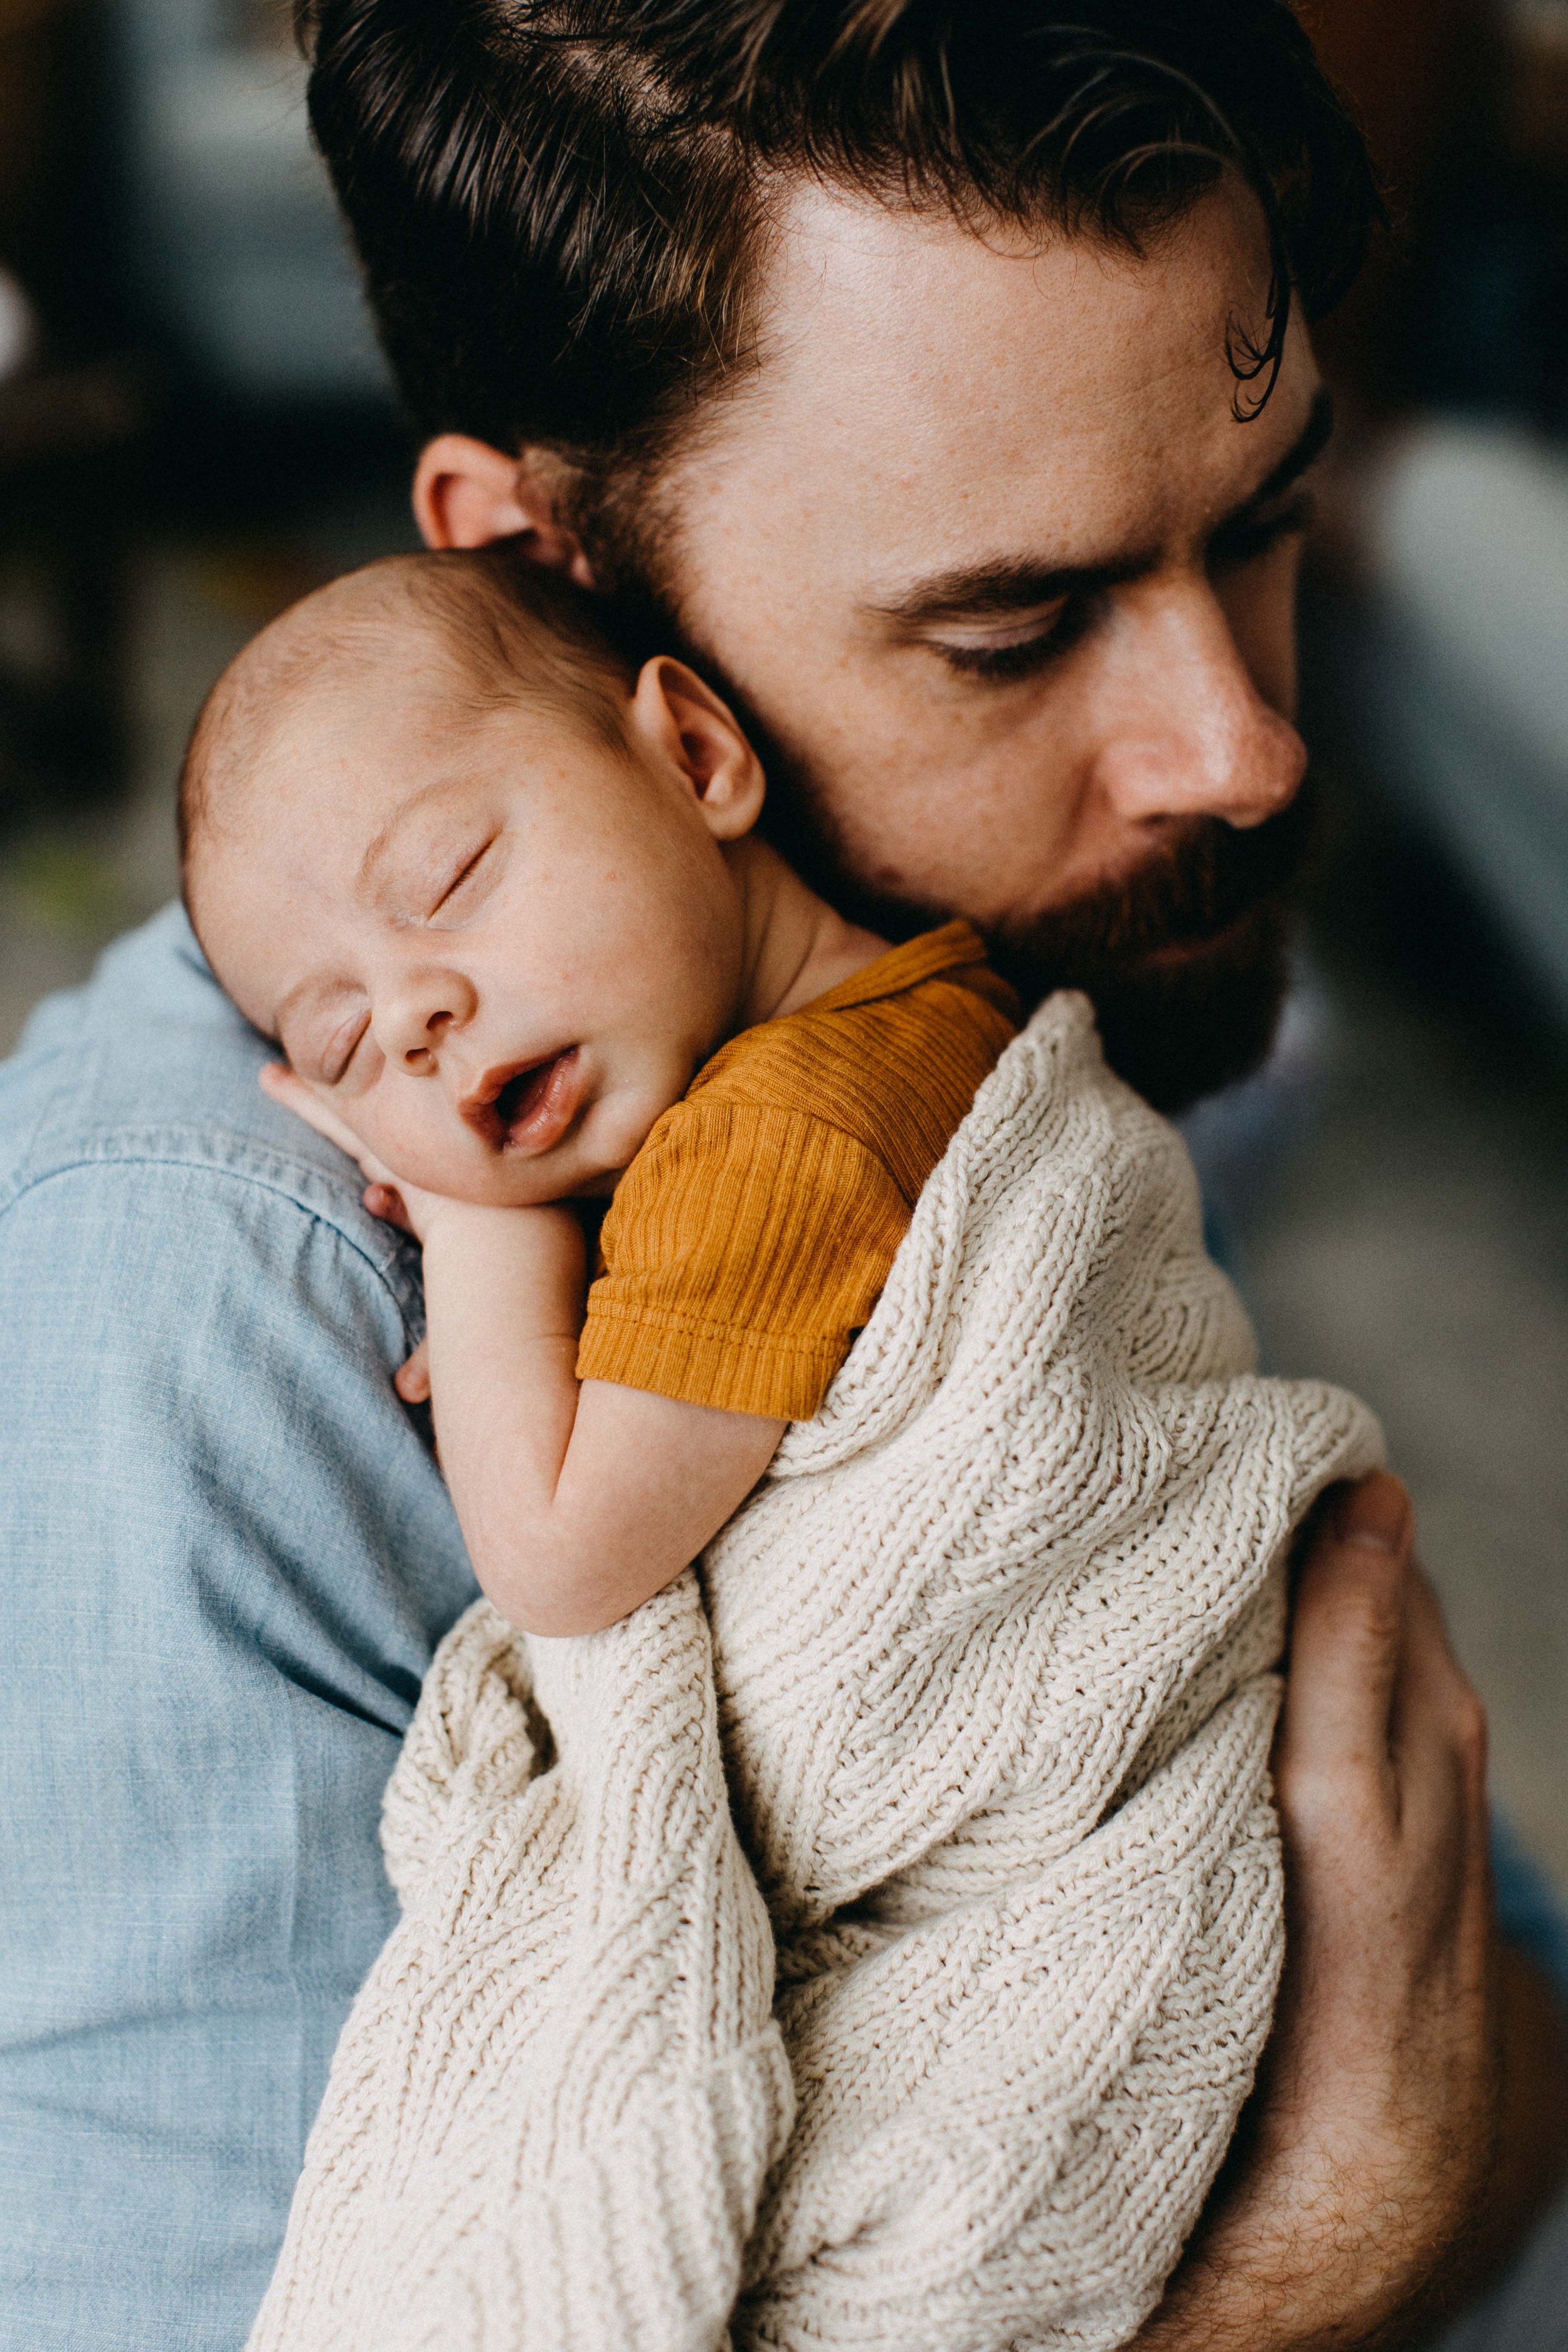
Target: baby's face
[497, 946]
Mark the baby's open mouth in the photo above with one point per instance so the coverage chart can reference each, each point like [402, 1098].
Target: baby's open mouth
[528, 1109]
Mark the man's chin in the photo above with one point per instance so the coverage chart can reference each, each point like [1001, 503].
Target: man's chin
[1182, 1021]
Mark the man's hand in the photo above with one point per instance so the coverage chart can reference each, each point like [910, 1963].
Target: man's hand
[1354, 2207]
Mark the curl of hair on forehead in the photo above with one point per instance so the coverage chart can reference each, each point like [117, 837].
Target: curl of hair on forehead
[564, 208]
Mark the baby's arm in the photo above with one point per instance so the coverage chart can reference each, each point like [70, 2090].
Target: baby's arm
[577, 1499]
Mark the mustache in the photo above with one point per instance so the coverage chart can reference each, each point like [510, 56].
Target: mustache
[1186, 959]
[1202, 883]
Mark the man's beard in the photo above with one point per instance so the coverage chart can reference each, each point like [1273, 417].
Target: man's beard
[1185, 961]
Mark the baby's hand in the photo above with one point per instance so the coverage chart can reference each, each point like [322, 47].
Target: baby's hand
[386, 1195]
[412, 1379]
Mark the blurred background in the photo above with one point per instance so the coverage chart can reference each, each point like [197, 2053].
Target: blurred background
[194, 429]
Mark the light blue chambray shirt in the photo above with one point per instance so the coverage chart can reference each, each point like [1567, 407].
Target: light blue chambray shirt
[227, 1558]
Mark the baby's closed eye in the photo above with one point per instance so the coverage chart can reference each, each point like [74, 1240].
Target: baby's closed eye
[322, 1041]
[468, 883]
[337, 1055]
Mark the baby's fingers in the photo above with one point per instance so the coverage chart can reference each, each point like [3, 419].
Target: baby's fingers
[385, 1202]
[412, 1379]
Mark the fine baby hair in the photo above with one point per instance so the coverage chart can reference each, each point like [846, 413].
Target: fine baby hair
[493, 626]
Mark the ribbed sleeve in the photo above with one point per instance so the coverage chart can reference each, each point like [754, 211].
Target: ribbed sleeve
[745, 1247]
[751, 1235]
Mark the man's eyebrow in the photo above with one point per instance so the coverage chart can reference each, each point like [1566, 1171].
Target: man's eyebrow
[979, 590]
[1305, 450]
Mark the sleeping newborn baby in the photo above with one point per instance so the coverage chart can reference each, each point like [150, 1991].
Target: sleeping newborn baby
[503, 905]
[870, 1937]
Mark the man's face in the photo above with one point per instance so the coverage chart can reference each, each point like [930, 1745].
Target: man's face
[981, 550]
[1006, 592]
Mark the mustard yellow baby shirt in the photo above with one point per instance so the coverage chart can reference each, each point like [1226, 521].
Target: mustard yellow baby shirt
[751, 1235]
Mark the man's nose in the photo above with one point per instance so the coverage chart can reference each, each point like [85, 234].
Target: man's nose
[1188, 731]
[413, 1018]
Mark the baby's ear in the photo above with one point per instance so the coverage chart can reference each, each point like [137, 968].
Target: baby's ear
[687, 723]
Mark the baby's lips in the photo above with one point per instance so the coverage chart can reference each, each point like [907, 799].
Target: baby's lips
[481, 1108]
[526, 1107]
[547, 1105]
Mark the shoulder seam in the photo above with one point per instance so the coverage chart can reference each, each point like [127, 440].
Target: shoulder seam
[86, 1162]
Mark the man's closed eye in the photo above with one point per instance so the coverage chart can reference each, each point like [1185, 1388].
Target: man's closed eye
[1022, 647]
[1249, 540]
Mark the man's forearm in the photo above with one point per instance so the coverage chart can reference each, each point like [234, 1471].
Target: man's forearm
[1301, 2267]
[1532, 2161]
[1295, 2258]
[1364, 2195]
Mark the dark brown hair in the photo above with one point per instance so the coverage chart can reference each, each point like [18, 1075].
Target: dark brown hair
[561, 204]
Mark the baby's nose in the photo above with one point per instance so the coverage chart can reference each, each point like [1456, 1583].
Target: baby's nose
[413, 1023]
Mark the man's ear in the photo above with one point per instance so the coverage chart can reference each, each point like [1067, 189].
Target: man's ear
[676, 716]
[467, 494]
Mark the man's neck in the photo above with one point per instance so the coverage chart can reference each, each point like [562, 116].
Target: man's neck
[797, 945]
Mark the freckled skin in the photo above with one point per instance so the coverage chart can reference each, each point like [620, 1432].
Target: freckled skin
[422, 904]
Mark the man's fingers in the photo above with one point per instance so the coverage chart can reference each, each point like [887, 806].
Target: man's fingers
[1435, 1695]
[1347, 1635]
[286, 1087]
[1377, 1707]
[1439, 1729]
[412, 1379]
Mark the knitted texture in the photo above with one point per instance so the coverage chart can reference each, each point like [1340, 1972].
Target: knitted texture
[963, 1727]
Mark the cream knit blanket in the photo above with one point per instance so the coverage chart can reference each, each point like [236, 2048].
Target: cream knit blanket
[870, 1942]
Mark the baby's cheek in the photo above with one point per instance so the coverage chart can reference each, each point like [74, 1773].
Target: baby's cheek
[620, 1124]
[424, 1149]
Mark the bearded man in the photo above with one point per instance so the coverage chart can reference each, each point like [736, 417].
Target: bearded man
[940, 376]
